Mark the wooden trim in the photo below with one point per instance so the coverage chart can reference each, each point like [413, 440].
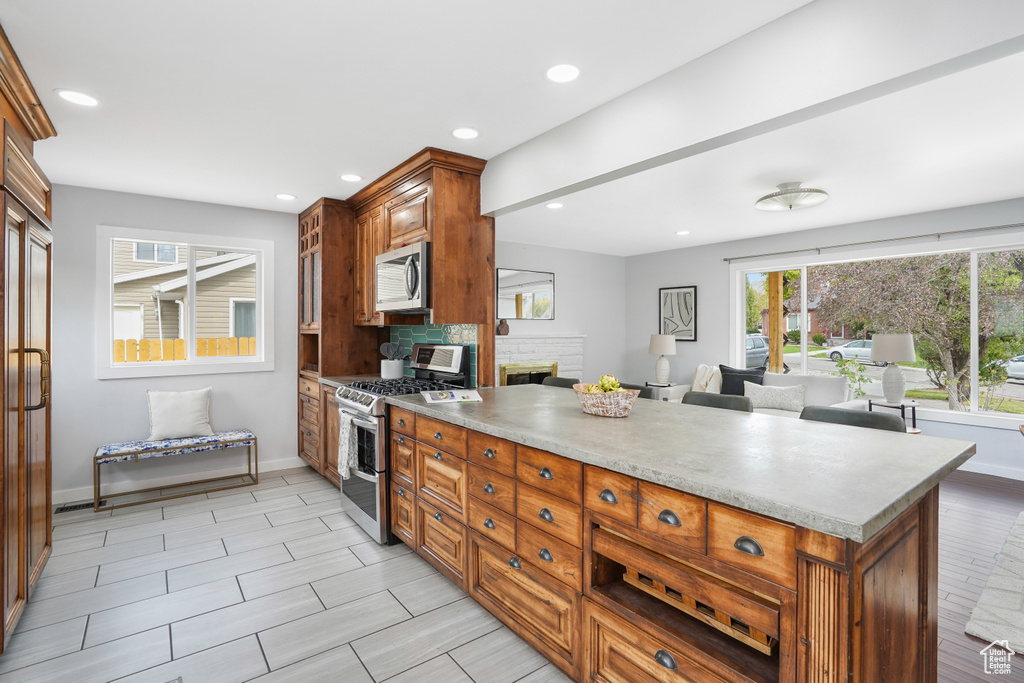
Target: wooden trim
[427, 158]
[16, 87]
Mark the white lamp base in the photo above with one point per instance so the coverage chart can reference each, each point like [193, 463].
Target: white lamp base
[894, 384]
[661, 371]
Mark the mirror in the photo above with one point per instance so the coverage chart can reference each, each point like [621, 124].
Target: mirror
[525, 295]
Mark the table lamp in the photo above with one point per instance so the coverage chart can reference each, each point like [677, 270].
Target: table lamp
[892, 349]
[662, 345]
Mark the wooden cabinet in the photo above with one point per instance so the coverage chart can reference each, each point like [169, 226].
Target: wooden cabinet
[403, 455]
[407, 217]
[672, 515]
[441, 478]
[369, 243]
[757, 544]
[330, 431]
[441, 540]
[610, 493]
[403, 513]
[310, 269]
[550, 473]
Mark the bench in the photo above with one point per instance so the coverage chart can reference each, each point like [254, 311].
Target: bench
[133, 451]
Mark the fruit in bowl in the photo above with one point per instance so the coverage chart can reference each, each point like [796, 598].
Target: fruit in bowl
[606, 385]
[606, 398]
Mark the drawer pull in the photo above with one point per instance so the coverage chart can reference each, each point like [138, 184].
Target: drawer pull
[400, 441]
[489, 523]
[438, 456]
[401, 493]
[545, 473]
[438, 516]
[669, 517]
[608, 496]
[439, 436]
[546, 515]
[546, 555]
[307, 399]
[489, 453]
[308, 433]
[401, 422]
[515, 563]
[745, 544]
[488, 489]
[666, 660]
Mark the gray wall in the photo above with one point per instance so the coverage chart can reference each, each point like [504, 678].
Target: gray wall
[590, 300]
[88, 412]
[999, 450]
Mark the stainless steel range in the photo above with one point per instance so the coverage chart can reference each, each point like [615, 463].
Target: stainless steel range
[364, 494]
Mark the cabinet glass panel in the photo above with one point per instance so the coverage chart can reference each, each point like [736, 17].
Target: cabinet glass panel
[316, 287]
[304, 304]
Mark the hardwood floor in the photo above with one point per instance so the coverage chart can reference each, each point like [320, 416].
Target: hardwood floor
[976, 513]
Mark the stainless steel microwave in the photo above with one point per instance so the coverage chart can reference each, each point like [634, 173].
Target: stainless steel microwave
[403, 279]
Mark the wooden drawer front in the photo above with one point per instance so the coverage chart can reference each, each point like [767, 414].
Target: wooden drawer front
[403, 421]
[403, 513]
[493, 488]
[441, 479]
[673, 515]
[309, 388]
[535, 602]
[557, 517]
[442, 541]
[309, 445]
[556, 558]
[616, 652]
[491, 522]
[403, 454]
[492, 452]
[309, 409]
[729, 528]
[407, 217]
[550, 472]
[610, 493]
[441, 435]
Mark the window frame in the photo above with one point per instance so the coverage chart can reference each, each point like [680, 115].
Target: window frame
[263, 361]
[135, 252]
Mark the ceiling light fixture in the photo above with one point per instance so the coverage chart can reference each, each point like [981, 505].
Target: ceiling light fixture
[465, 133]
[285, 196]
[554, 205]
[351, 178]
[791, 196]
[77, 97]
[563, 73]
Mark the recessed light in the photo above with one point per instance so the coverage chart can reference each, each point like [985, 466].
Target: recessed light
[351, 178]
[465, 133]
[563, 73]
[285, 196]
[554, 205]
[78, 97]
[683, 232]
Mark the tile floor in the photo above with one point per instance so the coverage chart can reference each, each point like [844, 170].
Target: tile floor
[271, 583]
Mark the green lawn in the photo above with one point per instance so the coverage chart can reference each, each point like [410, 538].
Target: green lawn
[796, 349]
[1007, 405]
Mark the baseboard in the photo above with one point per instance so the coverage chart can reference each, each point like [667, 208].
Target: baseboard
[85, 492]
[994, 470]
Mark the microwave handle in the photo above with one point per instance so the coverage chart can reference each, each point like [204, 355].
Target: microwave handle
[409, 273]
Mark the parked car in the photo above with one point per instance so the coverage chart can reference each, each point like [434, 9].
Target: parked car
[1015, 368]
[859, 350]
[757, 350]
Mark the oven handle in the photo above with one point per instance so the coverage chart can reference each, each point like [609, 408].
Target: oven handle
[370, 425]
[363, 475]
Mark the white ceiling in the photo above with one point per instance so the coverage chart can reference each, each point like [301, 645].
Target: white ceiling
[234, 101]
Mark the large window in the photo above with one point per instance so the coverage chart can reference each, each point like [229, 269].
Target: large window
[178, 307]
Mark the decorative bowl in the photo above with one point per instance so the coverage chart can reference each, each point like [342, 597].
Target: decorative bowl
[612, 404]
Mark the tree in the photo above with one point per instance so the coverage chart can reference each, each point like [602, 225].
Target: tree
[757, 301]
[926, 295]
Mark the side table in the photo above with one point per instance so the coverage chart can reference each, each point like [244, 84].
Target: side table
[902, 407]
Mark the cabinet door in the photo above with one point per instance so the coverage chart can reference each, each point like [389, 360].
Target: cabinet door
[441, 541]
[403, 453]
[309, 446]
[14, 584]
[329, 431]
[403, 513]
[441, 479]
[407, 216]
[368, 245]
[36, 395]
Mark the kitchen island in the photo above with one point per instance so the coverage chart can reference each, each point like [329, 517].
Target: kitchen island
[681, 542]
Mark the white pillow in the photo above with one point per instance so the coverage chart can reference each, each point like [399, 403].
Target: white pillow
[779, 398]
[174, 414]
[707, 378]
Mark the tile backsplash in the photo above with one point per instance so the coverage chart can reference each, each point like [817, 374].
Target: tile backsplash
[407, 335]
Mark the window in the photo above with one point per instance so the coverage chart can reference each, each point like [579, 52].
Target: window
[792, 322]
[178, 306]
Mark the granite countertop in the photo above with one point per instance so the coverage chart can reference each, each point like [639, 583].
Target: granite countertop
[840, 480]
[345, 379]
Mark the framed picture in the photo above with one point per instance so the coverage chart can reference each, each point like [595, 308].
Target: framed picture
[678, 312]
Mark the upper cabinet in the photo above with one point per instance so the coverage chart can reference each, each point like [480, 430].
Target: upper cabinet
[369, 242]
[407, 216]
[310, 265]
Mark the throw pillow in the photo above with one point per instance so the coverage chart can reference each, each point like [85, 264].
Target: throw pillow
[707, 378]
[733, 378]
[174, 414]
[779, 398]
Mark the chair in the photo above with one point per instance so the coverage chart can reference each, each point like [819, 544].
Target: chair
[854, 418]
[566, 382]
[645, 392]
[710, 400]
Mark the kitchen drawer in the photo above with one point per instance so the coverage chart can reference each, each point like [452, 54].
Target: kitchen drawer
[403, 455]
[309, 409]
[610, 493]
[550, 472]
[403, 421]
[543, 611]
[490, 451]
[673, 515]
[554, 515]
[491, 522]
[760, 545]
[403, 513]
[554, 557]
[441, 541]
[617, 652]
[492, 488]
[309, 445]
[447, 437]
[441, 479]
[309, 387]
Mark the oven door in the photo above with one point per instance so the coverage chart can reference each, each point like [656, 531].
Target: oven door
[364, 493]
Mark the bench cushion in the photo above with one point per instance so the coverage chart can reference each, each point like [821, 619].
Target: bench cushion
[127, 450]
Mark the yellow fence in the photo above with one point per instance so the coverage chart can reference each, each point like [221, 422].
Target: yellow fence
[146, 350]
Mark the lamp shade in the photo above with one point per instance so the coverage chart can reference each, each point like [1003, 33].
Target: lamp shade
[893, 348]
[662, 345]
